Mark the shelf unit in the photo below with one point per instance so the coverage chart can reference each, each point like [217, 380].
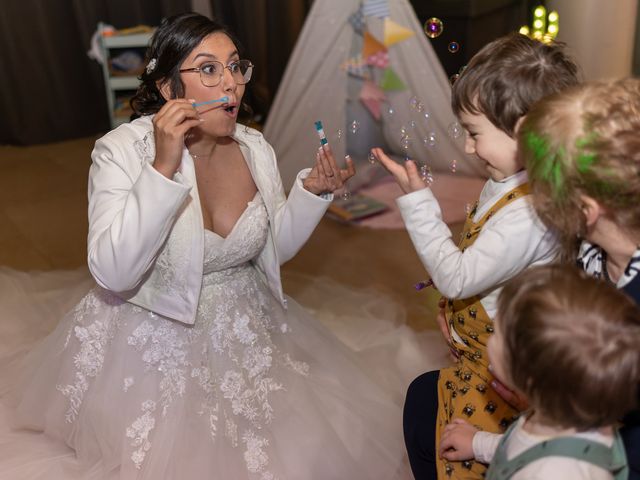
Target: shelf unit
[119, 87]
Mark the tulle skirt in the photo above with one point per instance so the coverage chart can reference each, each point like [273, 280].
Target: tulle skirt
[251, 391]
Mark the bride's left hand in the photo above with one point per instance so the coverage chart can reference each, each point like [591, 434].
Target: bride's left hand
[326, 176]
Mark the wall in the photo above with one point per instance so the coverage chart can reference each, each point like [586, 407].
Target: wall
[599, 34]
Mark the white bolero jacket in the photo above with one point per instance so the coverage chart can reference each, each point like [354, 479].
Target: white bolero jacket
[146, 233]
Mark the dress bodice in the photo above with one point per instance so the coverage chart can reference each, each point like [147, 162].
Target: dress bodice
[243, 243]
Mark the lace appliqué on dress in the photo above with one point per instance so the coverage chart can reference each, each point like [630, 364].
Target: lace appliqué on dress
[93, 339]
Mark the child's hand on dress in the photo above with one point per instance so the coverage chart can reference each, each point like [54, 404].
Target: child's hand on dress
[456, 443]
[407, 175]
[326, 176]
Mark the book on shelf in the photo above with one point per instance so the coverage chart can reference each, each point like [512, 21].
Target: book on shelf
[356, 207]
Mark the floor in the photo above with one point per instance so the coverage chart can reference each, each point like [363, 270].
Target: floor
[43, 206]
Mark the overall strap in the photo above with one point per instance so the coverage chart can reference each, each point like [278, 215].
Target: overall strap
[613, 459]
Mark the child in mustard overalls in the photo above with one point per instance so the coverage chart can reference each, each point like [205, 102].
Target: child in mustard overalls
[502, 236]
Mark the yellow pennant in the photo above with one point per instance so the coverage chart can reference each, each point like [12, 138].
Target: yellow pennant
[394, 32]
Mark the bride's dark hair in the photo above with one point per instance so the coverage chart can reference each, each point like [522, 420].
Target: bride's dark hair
[171, 43]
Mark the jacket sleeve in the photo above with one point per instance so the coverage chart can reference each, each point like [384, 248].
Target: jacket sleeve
[511, 240]
[297, 215]
[131, 211]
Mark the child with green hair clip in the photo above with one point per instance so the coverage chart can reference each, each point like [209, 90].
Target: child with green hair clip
[582, 151]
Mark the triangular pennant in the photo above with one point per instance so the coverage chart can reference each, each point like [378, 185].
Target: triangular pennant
[391, 81]
[394, 32]
[379, 60]
[356, 66]
[357, 21]
[376, 8]
[371, 96]
[371, 45]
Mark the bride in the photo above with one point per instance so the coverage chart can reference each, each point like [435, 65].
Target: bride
[187, 360]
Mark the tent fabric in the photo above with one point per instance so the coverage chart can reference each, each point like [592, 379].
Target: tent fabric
[316, 86]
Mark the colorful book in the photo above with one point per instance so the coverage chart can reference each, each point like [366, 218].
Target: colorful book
[356, 207]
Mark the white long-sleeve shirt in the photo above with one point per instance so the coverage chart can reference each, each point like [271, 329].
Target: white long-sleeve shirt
[510, 241]
[485, 445]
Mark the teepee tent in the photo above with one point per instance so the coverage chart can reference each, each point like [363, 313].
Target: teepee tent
[367, 71]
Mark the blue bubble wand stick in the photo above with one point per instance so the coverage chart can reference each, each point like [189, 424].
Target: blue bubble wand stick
[209, 102]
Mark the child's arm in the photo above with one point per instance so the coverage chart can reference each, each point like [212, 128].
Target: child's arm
[462, 441]
[510, 241]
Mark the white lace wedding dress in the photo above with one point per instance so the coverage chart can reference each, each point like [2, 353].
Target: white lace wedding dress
[251, 391]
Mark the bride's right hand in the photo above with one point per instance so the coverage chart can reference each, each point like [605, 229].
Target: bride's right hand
[170, 125]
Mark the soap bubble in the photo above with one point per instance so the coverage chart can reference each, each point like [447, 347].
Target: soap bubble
[467, 208]
[454, 77]
[346, 194]
[426, 175]
[403, 132]
[355, 125]
[454, 166]
[412, 124]
[391, 111]
[420, 107]
[339, 134]
[426, 116]
[430, 140]
[433, 27]
[371, 158]
[413, 102]
[455, 130]
[453, 47]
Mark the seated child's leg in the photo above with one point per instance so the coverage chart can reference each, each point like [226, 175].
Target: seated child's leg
[419, 421]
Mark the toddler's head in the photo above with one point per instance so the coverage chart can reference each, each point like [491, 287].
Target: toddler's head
[584, 142]
[497, 88]
[508, 75]
[570, 344]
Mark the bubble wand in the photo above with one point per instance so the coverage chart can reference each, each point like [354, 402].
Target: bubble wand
[208, 102]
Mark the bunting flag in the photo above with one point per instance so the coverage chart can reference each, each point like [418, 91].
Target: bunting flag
[391, 81]
[371, 45]
[372, 96]
[379, 59]
[357, 21]
[394, 32]
[357, 67]
[376, 8]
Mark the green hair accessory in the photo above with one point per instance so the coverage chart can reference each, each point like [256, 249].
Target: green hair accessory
[547, 163]
[584, 160]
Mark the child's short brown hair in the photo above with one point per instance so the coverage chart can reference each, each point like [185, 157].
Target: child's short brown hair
[571, 345]
[508, 75]
[585, 141]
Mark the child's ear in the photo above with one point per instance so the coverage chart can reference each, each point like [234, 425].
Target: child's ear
[591, 210]
[517, 126]
[164, 87]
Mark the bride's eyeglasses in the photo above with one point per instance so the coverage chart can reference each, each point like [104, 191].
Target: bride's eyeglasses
[211, 73]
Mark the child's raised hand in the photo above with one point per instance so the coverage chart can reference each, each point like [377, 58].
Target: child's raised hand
[407, 175]
[456, 443]
[326, 176]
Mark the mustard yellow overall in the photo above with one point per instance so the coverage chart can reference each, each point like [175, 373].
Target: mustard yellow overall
[464, 389]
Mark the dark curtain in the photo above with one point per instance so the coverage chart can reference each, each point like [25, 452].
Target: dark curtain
[50, 90]
[268, 30]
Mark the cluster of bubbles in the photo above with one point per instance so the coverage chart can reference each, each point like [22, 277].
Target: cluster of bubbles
[426, 175]
[433, 27]
[354, 127]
